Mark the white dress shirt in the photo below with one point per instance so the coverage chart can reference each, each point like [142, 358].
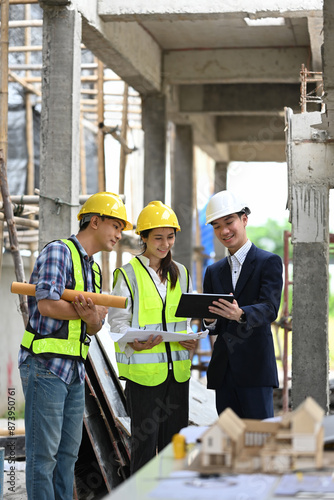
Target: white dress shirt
[120, 319]
[236, 261]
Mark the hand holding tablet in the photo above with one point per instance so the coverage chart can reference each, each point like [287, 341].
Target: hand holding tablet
[196, 305]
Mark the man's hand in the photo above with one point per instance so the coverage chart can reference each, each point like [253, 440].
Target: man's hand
[228, 310]
[90, 313]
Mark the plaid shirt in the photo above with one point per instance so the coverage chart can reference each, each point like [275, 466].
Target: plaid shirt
[53, 272]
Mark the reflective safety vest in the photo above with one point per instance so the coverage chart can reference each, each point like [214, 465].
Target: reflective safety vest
[149, 312]
[70, 340]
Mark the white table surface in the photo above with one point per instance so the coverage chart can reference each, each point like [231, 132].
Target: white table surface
[141, 485]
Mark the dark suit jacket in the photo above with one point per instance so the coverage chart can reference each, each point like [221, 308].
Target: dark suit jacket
[248, 348]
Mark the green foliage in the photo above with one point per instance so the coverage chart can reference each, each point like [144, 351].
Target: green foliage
[19, 413]
[331, 298]
[270, 236]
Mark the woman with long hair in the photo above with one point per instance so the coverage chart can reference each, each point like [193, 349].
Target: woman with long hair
[157, 373]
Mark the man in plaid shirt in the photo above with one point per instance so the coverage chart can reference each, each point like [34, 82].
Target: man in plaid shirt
[55, 346]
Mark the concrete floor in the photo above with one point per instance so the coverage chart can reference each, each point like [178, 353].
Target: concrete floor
[18, 491]
[14, 480]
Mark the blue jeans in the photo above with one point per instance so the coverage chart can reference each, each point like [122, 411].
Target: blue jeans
[53, 426]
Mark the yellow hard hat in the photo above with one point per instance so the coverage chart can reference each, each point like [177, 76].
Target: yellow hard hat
[156, 214]
[108, 204]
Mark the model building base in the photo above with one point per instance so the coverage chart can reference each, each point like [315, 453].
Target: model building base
[235, 445]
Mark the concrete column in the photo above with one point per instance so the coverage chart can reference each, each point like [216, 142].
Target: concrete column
[310, 157]
[154, 126]
[182, 192]
[310, 355]
[220, 176]
[220, 185]
[59, 175]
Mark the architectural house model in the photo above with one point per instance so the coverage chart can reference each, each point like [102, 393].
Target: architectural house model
[241, 445]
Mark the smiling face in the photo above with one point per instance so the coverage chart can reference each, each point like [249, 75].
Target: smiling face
[159, 242]
[231, 231]
[109, 232]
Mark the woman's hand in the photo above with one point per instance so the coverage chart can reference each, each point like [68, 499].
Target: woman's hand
[148, 344]
[189, 344]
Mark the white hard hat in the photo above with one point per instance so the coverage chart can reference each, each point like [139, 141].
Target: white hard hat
[222, 204]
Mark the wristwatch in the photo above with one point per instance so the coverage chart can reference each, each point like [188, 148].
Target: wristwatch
[242, 318]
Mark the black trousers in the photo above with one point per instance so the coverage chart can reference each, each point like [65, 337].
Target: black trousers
[246, 402]
[157, 413]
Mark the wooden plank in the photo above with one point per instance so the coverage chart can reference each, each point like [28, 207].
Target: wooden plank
[121, 457]
[89, 481]
[109, 383]
[111, 400]
[100, 440]
[107, 346]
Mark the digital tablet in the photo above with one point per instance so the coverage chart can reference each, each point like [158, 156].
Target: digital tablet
[195, 305]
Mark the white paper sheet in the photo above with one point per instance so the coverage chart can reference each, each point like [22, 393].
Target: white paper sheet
[187, 485]
[296, 484]
[133, 333]
[193, 432]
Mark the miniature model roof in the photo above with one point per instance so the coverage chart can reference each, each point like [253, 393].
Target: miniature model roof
[311, 407]
[231, 424]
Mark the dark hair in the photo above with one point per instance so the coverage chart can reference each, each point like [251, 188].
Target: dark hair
[84, 222]
[167, 264]
[83, 226]
[240, 214]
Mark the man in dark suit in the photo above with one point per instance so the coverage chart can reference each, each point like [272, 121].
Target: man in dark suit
[242, 368]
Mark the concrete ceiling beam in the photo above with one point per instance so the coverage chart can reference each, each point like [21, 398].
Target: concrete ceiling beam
[258, 151]
[125, 48]
[205, 137]
[250, 129]
[243, 99]
[204, 132]
[275, 65]
[132, 10]
[55, 3]
[236, 138]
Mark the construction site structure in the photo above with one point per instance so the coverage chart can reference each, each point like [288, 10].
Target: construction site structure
[64, 62]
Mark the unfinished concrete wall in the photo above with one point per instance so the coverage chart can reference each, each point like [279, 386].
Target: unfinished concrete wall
[310, 167]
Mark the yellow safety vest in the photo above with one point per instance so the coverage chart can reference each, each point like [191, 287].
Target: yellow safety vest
[70, 340]
[149, 312]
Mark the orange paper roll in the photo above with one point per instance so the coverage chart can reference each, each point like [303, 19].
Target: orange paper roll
[99, 299]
